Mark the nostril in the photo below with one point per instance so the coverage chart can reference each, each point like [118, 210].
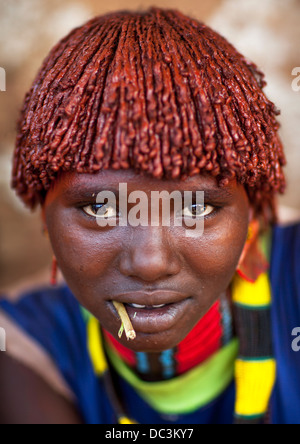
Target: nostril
[149, 255]
[148, 267]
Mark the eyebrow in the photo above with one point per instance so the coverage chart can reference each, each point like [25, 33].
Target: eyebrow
[82, 192]
[217, 193]
[86, 192]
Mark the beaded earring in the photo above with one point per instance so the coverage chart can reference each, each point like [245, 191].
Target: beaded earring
[252, 261]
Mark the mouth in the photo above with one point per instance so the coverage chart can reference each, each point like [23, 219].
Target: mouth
[147, 307]
[160, 310]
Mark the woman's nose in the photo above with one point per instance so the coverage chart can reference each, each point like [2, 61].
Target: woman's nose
[150, 255]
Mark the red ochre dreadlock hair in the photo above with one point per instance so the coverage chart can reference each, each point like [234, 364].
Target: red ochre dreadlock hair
[155, 91]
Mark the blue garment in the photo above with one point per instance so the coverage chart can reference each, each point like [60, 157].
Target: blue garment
[285, 281]
[53, 317]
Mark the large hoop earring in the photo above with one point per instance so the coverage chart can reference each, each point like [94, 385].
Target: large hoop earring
[252, 261]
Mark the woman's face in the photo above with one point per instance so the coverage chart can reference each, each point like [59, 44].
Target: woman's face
[166, 279]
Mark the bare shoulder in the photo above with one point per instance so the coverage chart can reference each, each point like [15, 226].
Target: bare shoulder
[27, 399]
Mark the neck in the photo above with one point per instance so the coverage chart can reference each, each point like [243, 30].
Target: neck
[207, 337]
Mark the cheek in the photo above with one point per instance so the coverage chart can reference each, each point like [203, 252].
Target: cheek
[82, 254]
[215, 255]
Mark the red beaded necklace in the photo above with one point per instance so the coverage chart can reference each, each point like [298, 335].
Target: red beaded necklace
[208, 336]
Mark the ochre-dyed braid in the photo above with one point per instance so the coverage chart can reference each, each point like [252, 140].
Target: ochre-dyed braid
[250, 123]
[155, 91]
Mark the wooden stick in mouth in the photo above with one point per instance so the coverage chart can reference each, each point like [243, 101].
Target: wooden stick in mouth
[126, 322]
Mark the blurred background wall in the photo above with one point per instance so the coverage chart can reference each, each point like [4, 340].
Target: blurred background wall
[266, 31]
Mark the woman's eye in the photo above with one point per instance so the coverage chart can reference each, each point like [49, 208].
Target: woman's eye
[197, 210]
[102, 211]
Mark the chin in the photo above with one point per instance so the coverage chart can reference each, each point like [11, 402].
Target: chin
[152, 343]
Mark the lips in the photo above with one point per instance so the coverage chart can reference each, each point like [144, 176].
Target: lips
[150, 299]
[154, 312]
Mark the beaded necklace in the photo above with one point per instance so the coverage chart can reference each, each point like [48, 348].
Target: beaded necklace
[212, 332]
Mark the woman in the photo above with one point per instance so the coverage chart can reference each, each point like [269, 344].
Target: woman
[158, 102]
